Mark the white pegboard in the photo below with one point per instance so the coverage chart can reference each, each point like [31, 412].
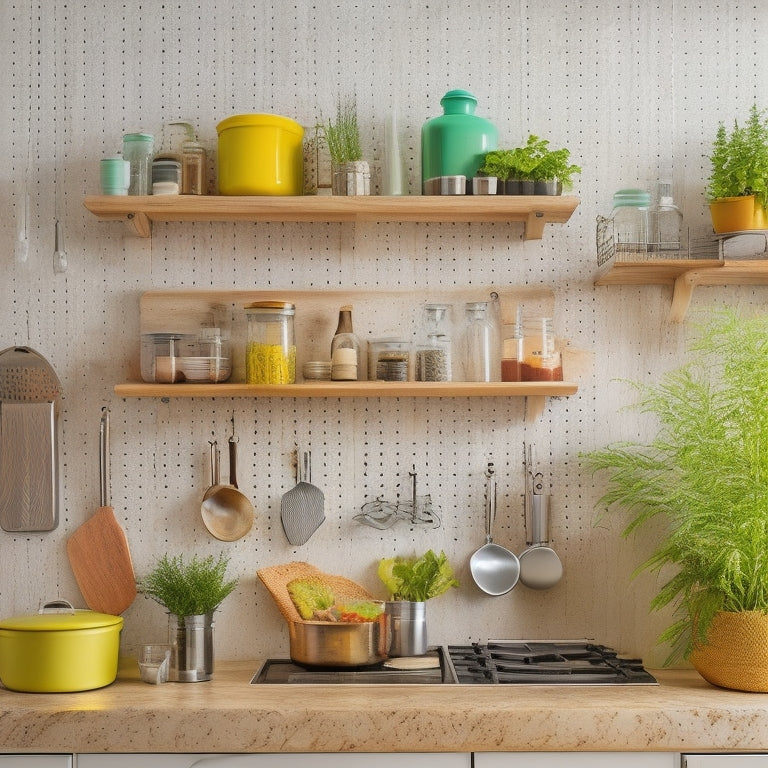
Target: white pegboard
[628, 87]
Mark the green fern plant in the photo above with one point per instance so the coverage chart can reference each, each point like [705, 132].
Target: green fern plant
[740, 159]
[189, 588]
[706, 475]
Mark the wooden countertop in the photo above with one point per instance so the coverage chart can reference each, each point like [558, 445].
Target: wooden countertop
[227, 714]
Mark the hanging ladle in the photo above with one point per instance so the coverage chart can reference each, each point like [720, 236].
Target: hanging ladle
[227, 512]
[494, 568]
[540, 566]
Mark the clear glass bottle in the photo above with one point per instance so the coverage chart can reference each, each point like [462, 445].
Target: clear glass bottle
[666, 221]
[512, 349]
[271, 349]
[346, 339]
[138, 149]
[433, 360]
[630, 221]
[482, 358]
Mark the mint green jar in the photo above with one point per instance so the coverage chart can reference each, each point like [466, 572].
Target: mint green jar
[455, 143]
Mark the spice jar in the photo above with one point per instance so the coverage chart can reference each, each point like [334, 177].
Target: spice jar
[433, 360]
[270, 356]
[540, 359]
[389, 359]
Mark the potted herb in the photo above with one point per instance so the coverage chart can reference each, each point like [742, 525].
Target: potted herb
[410, 582]
[737, 188]
[706, 476]
[190, 591]
[351, 174]
[532, 168]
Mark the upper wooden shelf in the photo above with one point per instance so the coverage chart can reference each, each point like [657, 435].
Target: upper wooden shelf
[684, 275]
[139, 212]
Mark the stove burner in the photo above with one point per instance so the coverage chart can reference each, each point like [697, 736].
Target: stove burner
[545, 663]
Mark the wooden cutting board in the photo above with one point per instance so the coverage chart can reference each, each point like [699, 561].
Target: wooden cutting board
[101, 561]
[98, 550]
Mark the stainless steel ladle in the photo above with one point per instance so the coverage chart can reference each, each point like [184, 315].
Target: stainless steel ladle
[494, 568]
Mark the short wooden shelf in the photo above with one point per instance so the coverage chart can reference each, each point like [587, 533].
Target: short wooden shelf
[139, 212]
[684, 275]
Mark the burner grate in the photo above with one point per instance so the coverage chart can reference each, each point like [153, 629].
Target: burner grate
[545, 663]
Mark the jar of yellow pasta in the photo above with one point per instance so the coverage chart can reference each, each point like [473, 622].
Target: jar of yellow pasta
[270, 355]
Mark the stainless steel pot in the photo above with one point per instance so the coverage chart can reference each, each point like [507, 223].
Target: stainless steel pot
[339, 643]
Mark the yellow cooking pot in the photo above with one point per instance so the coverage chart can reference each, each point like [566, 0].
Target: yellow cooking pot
[60, 649]
[260, 155]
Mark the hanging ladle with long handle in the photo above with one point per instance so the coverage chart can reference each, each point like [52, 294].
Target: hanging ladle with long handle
[540, 565]
[494, 568]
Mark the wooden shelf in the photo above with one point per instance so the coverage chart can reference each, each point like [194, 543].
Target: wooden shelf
[536, 392]
[139, 212]
[684, 275]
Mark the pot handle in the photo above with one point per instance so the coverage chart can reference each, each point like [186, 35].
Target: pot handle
[59, 605]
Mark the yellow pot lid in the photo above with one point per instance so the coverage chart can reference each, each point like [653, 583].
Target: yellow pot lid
[58, 622]
[260, 121]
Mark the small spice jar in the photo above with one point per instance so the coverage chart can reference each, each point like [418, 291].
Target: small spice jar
[433, 360]
[540, 359]
[389, 360]
[270, 356]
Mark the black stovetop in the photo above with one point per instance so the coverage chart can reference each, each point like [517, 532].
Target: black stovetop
[564, 662]
[498, 662]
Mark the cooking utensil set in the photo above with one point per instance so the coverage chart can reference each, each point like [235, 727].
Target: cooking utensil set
[495, 569]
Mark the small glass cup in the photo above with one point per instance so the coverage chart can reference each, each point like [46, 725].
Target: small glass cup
[154, 663]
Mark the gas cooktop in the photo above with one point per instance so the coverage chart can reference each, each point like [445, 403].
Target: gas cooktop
[498, 662]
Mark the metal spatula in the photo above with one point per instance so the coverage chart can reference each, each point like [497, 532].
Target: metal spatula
[302, 509]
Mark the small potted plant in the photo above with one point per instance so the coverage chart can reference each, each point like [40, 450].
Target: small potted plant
[737, 189]
[531, 169]
[410, 582]
[706, 476]
[351, 174]
[190, 591]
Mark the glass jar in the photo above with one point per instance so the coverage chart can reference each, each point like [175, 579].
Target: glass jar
[512, 350]
[161, 355]
[389, 359]
[138, 149]
[166, 177]
[433, 360]
[540, 359]
[630, 221]
[482, 359]
[270, 356]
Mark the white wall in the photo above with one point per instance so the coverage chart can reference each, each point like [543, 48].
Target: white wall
[628, 89]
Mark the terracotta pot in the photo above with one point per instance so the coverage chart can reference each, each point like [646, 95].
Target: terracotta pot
[732, 214]
[736, 653]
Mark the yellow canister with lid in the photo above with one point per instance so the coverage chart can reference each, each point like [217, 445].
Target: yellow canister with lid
[260, 154]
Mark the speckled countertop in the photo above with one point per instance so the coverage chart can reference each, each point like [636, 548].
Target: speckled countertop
[227, 714]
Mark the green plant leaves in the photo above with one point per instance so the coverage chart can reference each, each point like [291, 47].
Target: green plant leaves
[706, 474]
[532, 162]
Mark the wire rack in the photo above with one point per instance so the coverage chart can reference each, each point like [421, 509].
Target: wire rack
[691, 247]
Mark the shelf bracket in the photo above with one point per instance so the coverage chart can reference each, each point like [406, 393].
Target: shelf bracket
[139, 224]
[534, 225]
[534, 407]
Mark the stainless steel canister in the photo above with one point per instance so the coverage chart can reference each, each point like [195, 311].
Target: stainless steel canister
[408, 624]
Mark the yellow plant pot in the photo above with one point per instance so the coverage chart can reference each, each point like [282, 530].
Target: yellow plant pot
[736, 653]
[760, 216]
[732, 214]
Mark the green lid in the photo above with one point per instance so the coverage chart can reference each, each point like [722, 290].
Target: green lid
[458, 101]
[631, 198]
[147, 137]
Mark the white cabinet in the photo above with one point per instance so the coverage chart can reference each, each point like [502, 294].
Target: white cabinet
[581, 760]
[286, 760]
[726, 761]
[35, 761]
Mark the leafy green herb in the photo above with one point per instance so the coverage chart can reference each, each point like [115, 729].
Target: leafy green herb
[417, 579]
[532, 162]
[189, 589]
[706, 475]
[343, 136]
[740, 159]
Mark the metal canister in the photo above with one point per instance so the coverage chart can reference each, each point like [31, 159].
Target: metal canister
[270, 356]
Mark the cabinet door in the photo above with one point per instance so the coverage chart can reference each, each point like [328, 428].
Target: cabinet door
[580, 760]
[35, 761]
[725, 761]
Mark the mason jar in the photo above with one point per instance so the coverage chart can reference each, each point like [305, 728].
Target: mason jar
[270, 355]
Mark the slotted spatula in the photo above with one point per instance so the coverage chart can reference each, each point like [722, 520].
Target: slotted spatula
[98, 550]
[302, 509]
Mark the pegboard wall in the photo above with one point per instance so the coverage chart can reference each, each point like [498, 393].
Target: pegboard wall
[631, 88]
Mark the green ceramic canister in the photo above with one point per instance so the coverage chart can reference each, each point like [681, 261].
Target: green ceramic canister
[455, 143]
